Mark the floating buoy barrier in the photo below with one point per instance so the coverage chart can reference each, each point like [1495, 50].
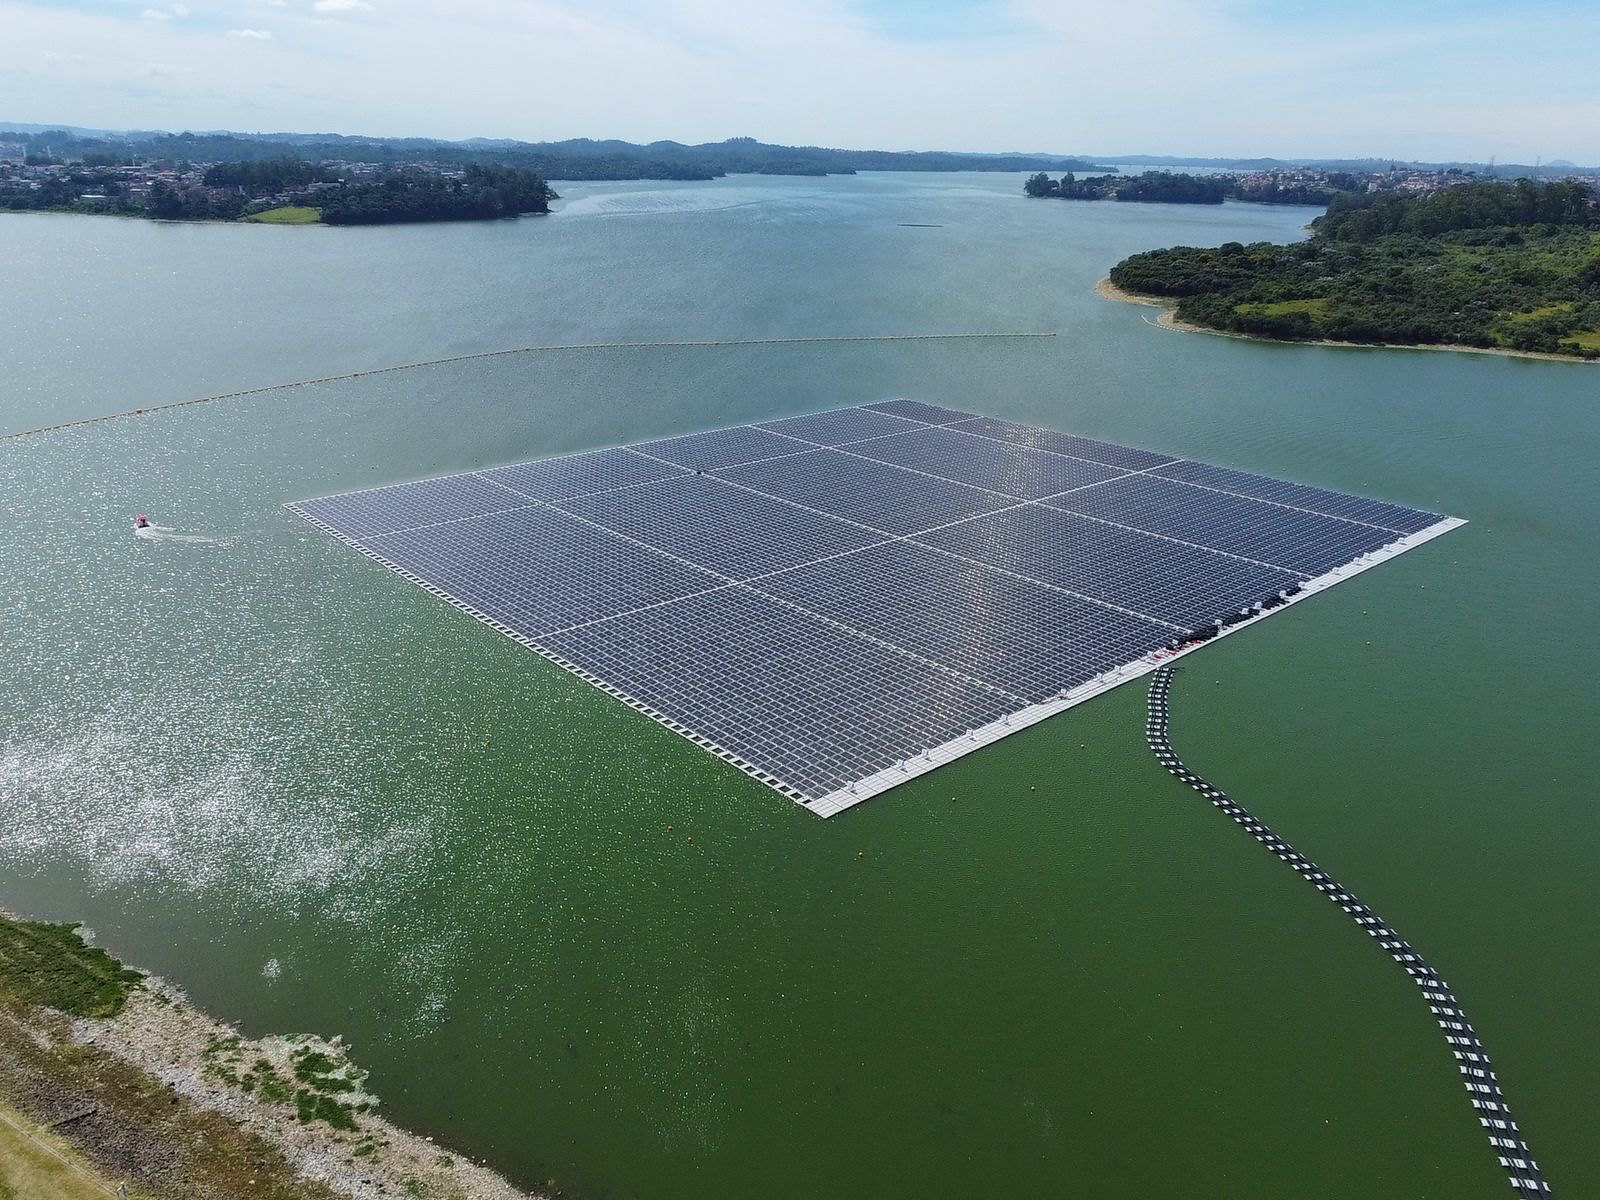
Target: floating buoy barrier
[1477, 1074]
[518, 350]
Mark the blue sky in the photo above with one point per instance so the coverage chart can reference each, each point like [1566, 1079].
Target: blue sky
[1402, 78]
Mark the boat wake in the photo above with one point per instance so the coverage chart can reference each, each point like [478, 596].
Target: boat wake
[165, 533]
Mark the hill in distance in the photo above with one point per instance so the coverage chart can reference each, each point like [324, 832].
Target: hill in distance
[575, 158]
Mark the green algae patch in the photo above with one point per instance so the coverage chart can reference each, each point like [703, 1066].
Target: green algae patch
[314, 1077]
[51, 965]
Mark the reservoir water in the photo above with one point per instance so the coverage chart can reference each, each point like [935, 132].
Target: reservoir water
[321, 800]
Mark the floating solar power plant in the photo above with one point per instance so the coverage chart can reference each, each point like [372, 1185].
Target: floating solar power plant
[837, 602]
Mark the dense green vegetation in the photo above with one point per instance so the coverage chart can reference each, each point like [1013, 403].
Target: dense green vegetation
[168, 203]
[51, 965]
[577, 158]
[265, 177]
[1494, 265]
[483, 193]
[1157, 187]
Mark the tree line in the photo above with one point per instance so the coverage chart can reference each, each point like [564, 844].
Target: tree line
[267, 176]
[1364, 218]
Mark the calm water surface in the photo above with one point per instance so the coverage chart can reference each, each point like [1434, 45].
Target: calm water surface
[263, 749]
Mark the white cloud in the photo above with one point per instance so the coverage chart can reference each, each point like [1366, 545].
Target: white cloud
[180, 10]
[155, 14]
[1073, 76]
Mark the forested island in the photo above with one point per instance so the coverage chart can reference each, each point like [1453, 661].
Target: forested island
[1157, 187]
[1491, 265]
[481, 193]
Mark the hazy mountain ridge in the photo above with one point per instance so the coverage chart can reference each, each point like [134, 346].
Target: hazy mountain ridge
[574, 158]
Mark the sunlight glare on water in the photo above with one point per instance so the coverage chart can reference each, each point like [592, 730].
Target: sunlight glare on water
[1024, 969]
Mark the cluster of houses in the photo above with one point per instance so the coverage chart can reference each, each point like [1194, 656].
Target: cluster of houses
[1413, 181]
[1416, 181]
[128, 186]
[91, 184]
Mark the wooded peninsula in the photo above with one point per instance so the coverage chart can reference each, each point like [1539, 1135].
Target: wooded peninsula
[1491, 265]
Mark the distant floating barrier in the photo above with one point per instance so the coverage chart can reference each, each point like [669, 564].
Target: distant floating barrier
[547, 349]
[1483, 1089]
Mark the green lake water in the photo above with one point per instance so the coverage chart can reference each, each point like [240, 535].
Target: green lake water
[321, 800]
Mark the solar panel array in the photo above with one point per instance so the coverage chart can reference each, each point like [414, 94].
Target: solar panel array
[839, 601]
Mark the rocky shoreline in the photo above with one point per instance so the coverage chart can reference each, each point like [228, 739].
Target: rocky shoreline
[302, 1096]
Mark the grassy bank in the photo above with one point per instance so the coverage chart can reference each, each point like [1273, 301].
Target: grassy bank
[289, 214]
[36, 1165]
[51, 966]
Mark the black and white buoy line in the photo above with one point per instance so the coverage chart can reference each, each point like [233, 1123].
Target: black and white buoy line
[1483, 1089]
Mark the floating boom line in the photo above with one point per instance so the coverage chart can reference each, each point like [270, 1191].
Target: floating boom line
[516, 350]
[1477, 1074]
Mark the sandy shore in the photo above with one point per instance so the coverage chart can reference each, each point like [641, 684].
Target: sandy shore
[1167, 319]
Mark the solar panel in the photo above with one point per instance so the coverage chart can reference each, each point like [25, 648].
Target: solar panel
[1186, 586]
[877, 495]
[815, 707]
[1126, 457]
[1030, 640]
[837, 602]
[428, 501]
[839, 426]
[1287, 538]
[581, 474]
[734, 532]
[721, 447]
[1011, 470]
[916, 410]
[1299, 495]
[535, 569]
